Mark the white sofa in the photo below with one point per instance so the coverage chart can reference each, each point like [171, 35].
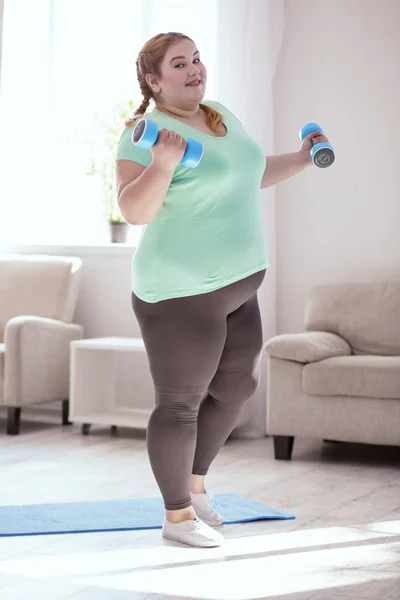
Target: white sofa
[38, 296]
[340, 379]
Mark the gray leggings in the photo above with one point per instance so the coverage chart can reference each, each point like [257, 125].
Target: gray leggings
[204, 355]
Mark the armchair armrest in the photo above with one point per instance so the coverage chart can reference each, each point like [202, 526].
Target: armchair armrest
[37, 352]
[307, 347]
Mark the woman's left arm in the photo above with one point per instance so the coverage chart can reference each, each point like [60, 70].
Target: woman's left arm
[281, 167]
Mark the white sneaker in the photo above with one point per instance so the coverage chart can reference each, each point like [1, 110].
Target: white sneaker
[204, 507]
[192, 532]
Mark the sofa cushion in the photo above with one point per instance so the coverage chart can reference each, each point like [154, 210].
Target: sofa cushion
[367, 315]
[2, 347]
[367, 376]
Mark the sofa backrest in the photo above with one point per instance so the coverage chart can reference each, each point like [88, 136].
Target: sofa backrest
[39, 285]
[366, 315]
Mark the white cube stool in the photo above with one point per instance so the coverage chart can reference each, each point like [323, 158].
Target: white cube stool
[103, 393]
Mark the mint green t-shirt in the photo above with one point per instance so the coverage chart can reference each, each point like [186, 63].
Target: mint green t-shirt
[209, 232]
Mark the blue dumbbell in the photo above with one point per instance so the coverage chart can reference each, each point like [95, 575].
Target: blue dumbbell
[322, 154]
[145, 135]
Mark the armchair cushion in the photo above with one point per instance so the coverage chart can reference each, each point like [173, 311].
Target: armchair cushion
[307, 347]
[362, 376]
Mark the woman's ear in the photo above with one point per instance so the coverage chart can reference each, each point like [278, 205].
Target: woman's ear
[153, 83]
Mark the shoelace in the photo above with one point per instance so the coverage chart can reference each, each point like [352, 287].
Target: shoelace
[195, 525]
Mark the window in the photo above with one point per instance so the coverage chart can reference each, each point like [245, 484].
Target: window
[68, 67]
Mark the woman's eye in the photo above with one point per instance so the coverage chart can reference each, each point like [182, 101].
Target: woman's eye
[196, 60]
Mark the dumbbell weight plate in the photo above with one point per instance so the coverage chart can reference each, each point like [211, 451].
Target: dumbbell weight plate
[138, 131]
[145, 133]
[322, 155]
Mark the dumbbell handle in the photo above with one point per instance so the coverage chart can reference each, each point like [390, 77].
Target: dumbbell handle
[322, 154]
[145, 135]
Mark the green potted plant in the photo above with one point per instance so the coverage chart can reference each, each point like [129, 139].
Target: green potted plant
[104, 166]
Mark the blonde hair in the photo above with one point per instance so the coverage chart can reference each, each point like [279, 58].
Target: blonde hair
[149, 61]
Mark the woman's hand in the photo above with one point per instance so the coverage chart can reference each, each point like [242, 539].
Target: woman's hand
[311, 139]
[169, 149]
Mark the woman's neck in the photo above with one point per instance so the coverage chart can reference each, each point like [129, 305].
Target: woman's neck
[180, 113]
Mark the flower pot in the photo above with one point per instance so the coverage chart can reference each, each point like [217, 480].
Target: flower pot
[118, 231]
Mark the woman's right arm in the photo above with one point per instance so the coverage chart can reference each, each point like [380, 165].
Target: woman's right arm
[141, 190]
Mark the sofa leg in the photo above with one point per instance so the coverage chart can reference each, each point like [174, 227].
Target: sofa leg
[283, 446]
[65, 412]
[13, 420]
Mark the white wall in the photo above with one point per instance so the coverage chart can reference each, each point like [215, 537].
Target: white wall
[339, 66]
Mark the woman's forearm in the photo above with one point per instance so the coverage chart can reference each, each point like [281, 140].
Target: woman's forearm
[281, 167]
[141, 200]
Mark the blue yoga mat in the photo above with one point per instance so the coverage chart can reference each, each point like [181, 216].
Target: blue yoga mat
[117, 515]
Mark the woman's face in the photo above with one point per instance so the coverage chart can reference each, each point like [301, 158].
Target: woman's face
[183, 76]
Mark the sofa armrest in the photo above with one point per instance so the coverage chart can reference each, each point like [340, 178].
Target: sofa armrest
[307, 347]
[37, 356]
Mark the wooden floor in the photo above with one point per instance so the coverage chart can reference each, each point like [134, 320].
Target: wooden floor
[344, 543]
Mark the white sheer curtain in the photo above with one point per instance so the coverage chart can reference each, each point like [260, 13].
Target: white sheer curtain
[67, 65]
[1, 32]
[249, 37]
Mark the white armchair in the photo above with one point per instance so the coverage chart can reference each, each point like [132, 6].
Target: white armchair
[340, 379]
[38, 296]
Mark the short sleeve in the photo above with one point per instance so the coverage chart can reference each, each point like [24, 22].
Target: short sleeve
[126, 149]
